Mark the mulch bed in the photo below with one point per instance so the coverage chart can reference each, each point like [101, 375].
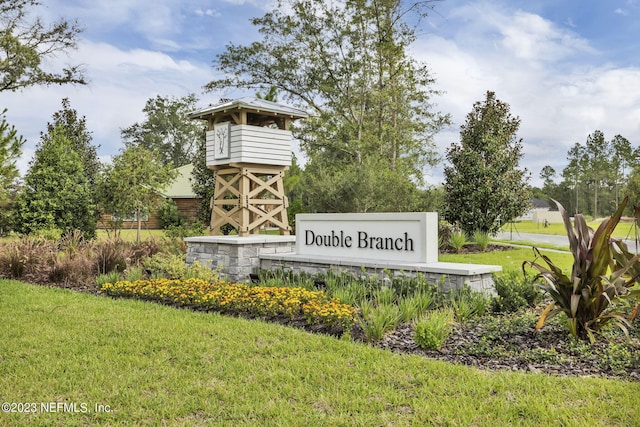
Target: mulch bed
[455, 350]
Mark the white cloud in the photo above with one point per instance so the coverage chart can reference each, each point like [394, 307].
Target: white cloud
[207, 12]
[121, 81]
[261, 4]
[525, 59]
[532, 37]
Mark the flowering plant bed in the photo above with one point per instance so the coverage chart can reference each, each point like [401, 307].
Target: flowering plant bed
[274, 303]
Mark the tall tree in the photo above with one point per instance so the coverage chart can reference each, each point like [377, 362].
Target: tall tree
[131, 185]
[75, 130]
[623, 161]
[632, 187]
[204, 180]
[10, 149]
[484, 188]
[598, 161]
[27, 43]
[167, 129]
[548, 174]
[56, 192]
[573, 172]
[348, 62]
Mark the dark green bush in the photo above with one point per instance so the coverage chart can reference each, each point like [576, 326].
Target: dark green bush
[169, 215]
[514, 292]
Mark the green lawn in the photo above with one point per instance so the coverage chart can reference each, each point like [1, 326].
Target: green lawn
[624, 229]
[510, 260]
[154, 365]
[130, 234]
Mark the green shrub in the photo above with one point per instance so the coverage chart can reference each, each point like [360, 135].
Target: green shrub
[198, 270]
[481, 240]
[515, 291]
[174, 243]
[174, 267]
[52, 233]
[458, 240]
[165, 265]
[384, 296]
[169, 215]
[381, 320]
[365, 307]
[409, 309]
[133, 274]
[467, 303]
[351, 295]
[111, 277]
[416, 305]
[425, 300]
[185, 230]
[433, 329]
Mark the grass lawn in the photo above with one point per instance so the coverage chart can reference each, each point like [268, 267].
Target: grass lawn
[623, 230]
[130, 234]
[155, 365]
[510, 260]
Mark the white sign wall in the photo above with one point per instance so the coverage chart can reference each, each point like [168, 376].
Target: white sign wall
[405, 237]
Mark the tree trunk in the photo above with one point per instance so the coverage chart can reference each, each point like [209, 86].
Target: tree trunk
[139, 226]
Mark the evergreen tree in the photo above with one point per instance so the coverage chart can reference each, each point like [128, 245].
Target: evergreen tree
[204, 180]
[10, 149]
[74, 128]
[484, 188]
[56, 192]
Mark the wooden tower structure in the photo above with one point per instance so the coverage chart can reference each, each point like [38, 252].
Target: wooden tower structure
[249, 148]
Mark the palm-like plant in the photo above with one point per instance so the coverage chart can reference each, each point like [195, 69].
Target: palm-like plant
[603, 271]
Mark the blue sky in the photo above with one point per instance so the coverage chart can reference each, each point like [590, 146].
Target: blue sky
[566, 67]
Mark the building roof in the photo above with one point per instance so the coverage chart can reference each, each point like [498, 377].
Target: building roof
[539, 203]
[249, 103]
[180, 188]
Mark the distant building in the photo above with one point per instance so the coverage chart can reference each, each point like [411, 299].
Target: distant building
[179, 191]
[540, 212]
[537, 205]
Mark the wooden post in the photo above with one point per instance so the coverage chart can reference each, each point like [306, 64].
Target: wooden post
[249, 197]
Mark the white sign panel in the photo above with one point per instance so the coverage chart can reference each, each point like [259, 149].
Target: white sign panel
[405, 237]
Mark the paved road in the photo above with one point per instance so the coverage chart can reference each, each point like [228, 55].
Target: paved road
[549, 238]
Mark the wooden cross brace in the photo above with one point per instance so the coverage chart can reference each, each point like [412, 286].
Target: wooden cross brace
[249, 198]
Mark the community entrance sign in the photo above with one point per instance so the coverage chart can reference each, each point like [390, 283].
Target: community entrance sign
[402, 237]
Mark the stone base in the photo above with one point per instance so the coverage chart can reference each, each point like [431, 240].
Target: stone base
[448, 276]
[236, 257]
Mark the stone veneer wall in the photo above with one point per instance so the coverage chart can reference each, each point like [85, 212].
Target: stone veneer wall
[447, 277]
[237, 257]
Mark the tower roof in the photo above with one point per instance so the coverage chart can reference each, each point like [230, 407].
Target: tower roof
[257, 105]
